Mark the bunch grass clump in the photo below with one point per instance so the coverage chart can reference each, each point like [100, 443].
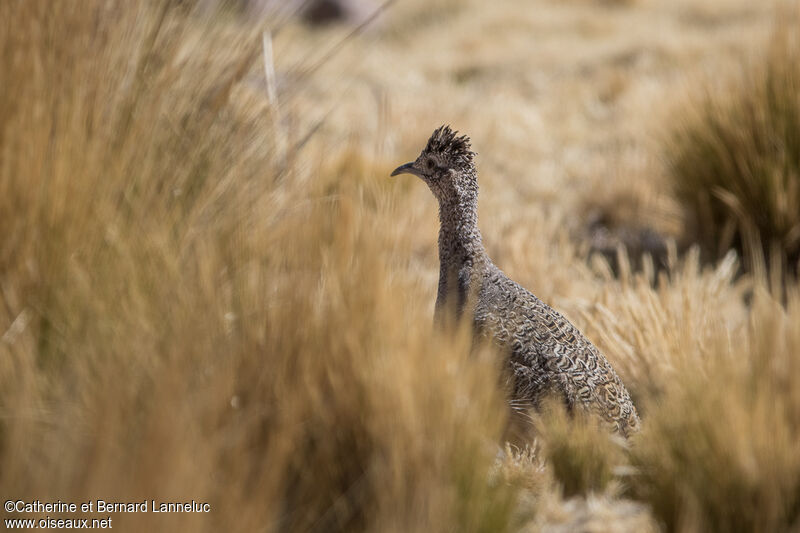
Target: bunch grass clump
[584, 457]
[713, 359]
[734, 159]
[189, 314]
[719, 453]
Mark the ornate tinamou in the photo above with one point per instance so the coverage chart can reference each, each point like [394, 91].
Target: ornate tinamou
[547, 354]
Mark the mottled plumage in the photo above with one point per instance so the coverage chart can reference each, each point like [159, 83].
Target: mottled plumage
[547, 354]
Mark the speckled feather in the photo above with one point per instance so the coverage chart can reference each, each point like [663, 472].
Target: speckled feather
[547, 354]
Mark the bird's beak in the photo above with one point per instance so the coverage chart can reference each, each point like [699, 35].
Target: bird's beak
[408, 168]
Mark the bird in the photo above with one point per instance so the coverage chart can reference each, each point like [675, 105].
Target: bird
[546, 355]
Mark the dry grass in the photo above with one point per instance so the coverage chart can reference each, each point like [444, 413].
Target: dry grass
[198, 300]
[734, 466]
[188, 319]
[734, 160]
[583, 456]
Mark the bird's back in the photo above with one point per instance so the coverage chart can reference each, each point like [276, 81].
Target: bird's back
[548, 355]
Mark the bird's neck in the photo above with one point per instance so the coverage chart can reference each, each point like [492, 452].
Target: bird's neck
[462, 257]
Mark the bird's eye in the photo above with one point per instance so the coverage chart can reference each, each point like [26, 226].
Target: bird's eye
[430, 163]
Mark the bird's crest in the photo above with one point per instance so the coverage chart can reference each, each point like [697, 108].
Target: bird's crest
[447, 143]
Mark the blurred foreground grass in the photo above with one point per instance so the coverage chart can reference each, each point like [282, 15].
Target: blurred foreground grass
[196, 304]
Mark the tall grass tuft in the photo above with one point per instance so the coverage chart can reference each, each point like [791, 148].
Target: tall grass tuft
[582, 454]
[719, 453]
[734, 159]
[187, 312]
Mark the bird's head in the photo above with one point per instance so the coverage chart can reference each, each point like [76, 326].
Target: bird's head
[446, 165]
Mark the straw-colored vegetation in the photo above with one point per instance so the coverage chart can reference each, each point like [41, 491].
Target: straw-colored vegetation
[210, 289]
[735, 160]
